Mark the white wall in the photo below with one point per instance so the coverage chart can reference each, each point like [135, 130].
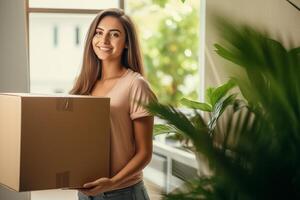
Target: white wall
[14, 76]
[278, 17]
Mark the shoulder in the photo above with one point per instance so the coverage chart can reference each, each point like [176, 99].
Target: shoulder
[139, 86]
[137, 80]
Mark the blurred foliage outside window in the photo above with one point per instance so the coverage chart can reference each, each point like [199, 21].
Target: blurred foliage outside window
[169, 35]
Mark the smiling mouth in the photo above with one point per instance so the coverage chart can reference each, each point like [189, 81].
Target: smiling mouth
[105, 49]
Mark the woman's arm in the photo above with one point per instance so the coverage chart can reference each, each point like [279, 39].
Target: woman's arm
[143, 128]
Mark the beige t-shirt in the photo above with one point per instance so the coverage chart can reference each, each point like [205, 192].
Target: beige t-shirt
[125, 96]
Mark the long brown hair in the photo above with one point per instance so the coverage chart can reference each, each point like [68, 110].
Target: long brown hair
[91, 65]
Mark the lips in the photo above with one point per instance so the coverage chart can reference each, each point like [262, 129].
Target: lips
[106, 49]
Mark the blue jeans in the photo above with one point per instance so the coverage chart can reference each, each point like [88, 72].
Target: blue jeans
[134, 192]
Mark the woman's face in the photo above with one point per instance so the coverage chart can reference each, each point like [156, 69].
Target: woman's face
[109, 39]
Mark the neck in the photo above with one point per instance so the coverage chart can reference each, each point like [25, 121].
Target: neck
[111, 69]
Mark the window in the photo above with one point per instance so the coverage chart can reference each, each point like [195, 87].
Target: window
[169, 34]
[55, 64]
[169, 31]
[56, 37]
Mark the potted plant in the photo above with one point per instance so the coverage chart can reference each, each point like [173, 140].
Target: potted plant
[259, 157]
[217, 100]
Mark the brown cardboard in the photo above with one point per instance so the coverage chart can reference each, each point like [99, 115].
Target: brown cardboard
[50, 142]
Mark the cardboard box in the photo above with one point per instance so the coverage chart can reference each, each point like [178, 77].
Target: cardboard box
[50, 142]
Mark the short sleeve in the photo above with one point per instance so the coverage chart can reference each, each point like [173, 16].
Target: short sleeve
[140, 94]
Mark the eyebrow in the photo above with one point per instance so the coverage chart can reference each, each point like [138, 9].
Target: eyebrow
[109, 29]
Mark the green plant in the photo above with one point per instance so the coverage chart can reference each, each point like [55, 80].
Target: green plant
[217, 100]
[259, 155]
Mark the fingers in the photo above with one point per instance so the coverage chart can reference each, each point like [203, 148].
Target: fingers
[95, 183]
[96, 187]
[91, 184]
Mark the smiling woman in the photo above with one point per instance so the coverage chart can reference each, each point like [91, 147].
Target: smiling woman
[112, 34]
[112, 67]
[109, 39]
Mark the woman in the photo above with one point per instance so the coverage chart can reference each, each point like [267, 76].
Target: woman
[112, 67]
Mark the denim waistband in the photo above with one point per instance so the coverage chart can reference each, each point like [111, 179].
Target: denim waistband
[130, 188]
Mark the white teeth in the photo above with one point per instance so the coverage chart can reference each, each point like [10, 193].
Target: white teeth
[105, 49]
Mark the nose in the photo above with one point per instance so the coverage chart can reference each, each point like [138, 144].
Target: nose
[106, 38]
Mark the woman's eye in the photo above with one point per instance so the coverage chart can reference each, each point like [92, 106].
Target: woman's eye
[115, 35]
[99, 33]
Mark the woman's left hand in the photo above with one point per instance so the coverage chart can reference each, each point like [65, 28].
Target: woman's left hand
[98, 186]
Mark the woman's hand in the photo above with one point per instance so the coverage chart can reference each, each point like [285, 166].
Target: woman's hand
[98, 186]
[143, 139]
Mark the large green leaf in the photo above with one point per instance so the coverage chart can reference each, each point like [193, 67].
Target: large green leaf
[208, 94]
[196, 105]
[219, 108]
[159, 129]
[221, 91]
[198, 134]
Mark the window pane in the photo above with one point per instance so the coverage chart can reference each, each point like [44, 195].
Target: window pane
[170, 42]
[74, 4]
[56, 49]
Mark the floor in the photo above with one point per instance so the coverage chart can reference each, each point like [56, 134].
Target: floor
[154, 191]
